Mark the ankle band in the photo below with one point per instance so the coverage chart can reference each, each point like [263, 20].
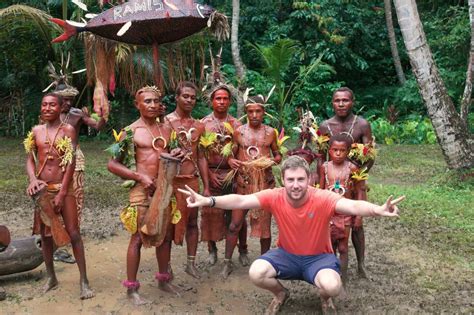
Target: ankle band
[131, 284]
[163, 277]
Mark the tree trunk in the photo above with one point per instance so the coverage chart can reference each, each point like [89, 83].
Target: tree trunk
[466, 97]
[393, 42]
[239, 66]
[452, 134]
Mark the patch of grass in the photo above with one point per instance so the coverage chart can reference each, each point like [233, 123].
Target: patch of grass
[439, 209]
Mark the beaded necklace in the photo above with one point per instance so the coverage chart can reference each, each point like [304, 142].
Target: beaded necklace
[337, 187]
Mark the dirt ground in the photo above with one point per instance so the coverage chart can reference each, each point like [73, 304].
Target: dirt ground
[404, 278]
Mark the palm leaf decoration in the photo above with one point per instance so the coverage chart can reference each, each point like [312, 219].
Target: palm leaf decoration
[229, 128]
[207, 139]
[66, 151]
[281, 138]
[173, 144]
[226, 150]
[227, 182]
[360, 175]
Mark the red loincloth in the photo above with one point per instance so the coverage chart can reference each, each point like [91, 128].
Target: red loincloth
[213, 223]
[181, 204]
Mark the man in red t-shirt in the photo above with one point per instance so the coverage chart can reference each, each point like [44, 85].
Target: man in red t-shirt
[302, 214]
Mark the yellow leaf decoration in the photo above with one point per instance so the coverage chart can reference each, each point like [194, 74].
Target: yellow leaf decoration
[360, 175]
[227, 149]
[363, 152]
[65, 151]
[117, 136]
[29, 142]
[128, 216]
[207, 139]
[173, 144]
[323, 142]
[280, 140]
[229, 128]
[175, 213]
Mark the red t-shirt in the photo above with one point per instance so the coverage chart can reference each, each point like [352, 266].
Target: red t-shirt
[303, 230]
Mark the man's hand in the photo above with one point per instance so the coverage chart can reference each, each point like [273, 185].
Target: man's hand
[389, 208]
[177, 153]
[234, 163]
[214, 180]
[194, 199]
[35, 186]
[148, 183]
[58, 201]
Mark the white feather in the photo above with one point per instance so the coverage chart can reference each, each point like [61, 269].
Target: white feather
[246, 94]
[76, 24]
[90, 15]
[80, 4]
[124, 28]
[48, 87]
[270, 93]
[79, 71]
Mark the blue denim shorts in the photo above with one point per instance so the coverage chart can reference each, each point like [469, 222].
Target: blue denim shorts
[299, 267]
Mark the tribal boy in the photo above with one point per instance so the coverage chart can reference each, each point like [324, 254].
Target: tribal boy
[220, 126]
[358, 129]
[50, 166]
[76, 118]
[188, 132]
[146, 138]
[255, 151]
[336, 175]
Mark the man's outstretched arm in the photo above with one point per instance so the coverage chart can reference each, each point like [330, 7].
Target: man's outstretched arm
[230, 202]
[367, 209]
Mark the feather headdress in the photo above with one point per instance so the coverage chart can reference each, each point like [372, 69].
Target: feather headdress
[60, 79]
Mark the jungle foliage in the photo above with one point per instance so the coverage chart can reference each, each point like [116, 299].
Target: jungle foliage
[305, 48]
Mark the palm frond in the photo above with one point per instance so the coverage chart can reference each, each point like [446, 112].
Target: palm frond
[13, 14]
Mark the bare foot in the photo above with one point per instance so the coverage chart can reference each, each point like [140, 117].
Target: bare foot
[86, 291]
[136, 299]
[192, 270]
[361, 271]
[170, 271]
[277, 302]
[212, 258]
[169, 287]
[228, 268]
[51, 284]
[244, 259]
[327, 306]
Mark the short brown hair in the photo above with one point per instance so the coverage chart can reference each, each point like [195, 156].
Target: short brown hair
[342, 137]
[294, 161]
[344, 89]
[58, 97]
[218, 88]
[185, 84]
